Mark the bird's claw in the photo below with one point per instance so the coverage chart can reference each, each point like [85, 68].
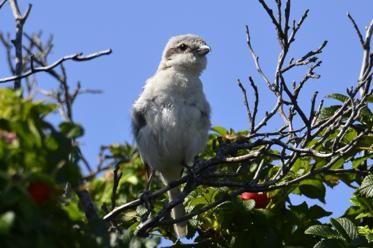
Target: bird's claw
[145, 197]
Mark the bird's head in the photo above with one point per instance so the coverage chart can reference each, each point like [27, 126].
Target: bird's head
[185, 52]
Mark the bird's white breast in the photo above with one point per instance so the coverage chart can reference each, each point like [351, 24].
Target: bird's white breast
[177, 120]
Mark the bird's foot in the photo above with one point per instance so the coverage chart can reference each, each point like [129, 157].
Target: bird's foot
[145, 197]
[190, 171]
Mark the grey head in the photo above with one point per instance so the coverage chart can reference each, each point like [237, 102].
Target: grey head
[185, 52]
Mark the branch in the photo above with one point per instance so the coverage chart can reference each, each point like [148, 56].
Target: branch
[367, 62]
[2, 3]
[246, 103]
[117, 177]
[256, 59]
[280, 149]
[17, 42]
[256, 103]
[74, 57]
[360, 36]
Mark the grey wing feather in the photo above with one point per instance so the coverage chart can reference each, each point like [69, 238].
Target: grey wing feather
[138, 121]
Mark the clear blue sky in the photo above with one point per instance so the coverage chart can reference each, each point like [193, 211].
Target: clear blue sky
[138, 30]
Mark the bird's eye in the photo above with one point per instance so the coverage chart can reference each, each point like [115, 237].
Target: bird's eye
[182, 47]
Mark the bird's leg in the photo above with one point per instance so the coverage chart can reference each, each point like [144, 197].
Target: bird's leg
[145, 195]
[190, 169]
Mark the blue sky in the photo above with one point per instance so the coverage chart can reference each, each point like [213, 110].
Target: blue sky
[138, 30]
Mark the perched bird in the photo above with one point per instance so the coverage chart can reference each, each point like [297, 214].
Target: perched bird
[171, 118]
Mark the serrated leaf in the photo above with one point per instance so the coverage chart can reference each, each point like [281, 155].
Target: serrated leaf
[329, 243]
[339, 97]
[366, 187]
[322, 231]
[360, 241]
[370, 98]
[345, 228]
[349, 136]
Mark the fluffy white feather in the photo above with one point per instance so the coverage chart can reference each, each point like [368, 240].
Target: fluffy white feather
[171, 118]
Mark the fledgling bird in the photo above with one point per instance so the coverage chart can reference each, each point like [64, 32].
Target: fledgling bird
[171, 118]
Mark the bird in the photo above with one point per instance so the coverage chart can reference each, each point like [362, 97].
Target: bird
[171, 118]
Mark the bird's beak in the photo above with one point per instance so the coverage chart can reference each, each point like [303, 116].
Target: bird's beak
[203, 50]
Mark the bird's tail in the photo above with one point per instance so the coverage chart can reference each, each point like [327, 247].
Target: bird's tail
[181, 228]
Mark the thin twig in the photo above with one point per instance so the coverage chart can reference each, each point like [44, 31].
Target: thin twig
[360, 36]
[246, 104]
[74, 57]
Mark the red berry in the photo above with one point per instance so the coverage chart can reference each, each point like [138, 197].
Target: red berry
[40, 191]
[261, 199]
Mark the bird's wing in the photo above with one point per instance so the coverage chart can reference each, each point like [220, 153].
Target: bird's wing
[138, 120]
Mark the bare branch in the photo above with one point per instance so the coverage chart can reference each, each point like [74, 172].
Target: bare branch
[17, 42]
[2, 3]
[246, 103]
[306, 58]
[74, 57]
[273, 18]
[297, 26]
[360, 36]
[256, 103]
[298, 138]
[256, 59]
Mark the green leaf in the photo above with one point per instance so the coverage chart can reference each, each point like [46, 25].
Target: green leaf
[370, 98]
[131, 178]
[6, 221]
[73, 211]
[328, 112]
[370, 238]
[301, 166]
[359, 161]
[366, 187]
[317, 212]
[71, 130]
[34, 130]
[249, 204]
[339, 97]
[220, 130]
[322, 231]
[366, 141]
[141, 210]
[330, 243]
[349, 136]
[366, 116]
[45, 109]
[313, 188]
[345, 228]
[360, 241]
